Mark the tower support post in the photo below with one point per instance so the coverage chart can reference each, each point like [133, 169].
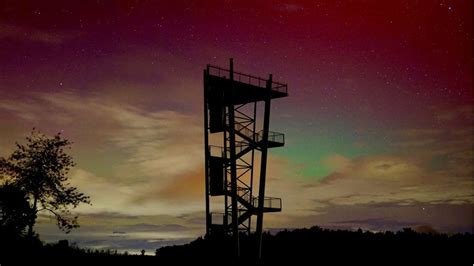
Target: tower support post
[263, 167]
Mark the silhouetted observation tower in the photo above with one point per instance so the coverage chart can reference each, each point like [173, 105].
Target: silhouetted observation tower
[231, 101]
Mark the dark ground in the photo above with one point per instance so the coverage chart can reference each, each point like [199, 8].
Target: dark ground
[313, 246]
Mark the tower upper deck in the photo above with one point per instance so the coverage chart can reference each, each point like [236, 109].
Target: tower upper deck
[246, 88]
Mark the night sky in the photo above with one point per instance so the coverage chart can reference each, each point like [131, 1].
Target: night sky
[378, 122]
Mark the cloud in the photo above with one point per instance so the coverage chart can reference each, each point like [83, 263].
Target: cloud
[297, 195]
[145, 155]
[390, 216]
[392, 179]
[336, 162]
[376, 223]
[144, 227]
[124, 232]
[142, 168]
[428, 165]
[185, 187]
[409, 179]
[289, 7]
[380, 168]
[111, 215]
[446, 148]
[18, 33]
[99, 238]
[460, 112]
[418, 132]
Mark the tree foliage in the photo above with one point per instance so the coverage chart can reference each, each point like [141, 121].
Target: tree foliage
[40, 168]
[15, 211]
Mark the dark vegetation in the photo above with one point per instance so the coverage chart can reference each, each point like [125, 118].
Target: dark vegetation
[315, 245]
[35, 179]
[311, 246]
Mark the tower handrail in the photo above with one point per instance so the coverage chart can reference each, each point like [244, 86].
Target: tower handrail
[268, 202]
[247, 79]
[273, 136]
[221, 219]
[218, 151]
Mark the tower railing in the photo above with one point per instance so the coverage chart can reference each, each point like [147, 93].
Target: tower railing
[217, 218]
[273, 136]
[268, 203]
[218, 151]
[247, 79]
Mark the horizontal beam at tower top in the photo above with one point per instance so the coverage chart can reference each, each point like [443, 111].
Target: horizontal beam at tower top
[246, 88]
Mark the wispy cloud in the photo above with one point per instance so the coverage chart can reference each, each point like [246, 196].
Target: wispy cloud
[460, 112]
[377, 223]
[144, 227]
[24, 34]
[393, 179]
[149, 151]
[289, 7]
[120, 233]
[390, 216]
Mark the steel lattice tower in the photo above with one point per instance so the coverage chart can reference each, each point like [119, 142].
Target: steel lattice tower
[230, 118]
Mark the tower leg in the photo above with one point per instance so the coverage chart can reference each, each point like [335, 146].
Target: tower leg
[233, 169]
[206, 155]
[263, 168]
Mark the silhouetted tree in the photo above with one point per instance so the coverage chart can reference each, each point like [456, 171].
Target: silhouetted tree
[14, 210]
[40, 168]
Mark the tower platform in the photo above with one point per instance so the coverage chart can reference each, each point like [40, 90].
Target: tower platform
[247, 88]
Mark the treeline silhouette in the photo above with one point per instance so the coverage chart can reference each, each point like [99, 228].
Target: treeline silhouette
[29, 250]
[308, 246]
